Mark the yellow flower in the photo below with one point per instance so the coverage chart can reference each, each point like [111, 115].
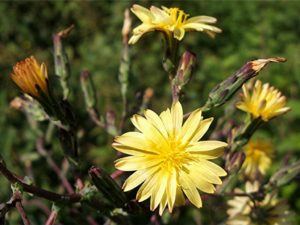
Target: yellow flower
[258, 157]
[171, 21]
[265, 102]
[31, 77]
[168, 158]
[270, 210]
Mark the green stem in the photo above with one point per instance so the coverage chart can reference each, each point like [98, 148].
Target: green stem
[246, 133]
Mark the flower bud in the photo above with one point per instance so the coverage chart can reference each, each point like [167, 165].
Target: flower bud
[284, 175]
[236, 160]
[88, 89]
[185, 68]
[68, 142]
[107, 186]
[31, 77]
[61, 61]
[227, 88]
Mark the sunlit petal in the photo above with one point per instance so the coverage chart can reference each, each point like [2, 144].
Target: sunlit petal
[265, 101]
[174, 22]
[168, 161]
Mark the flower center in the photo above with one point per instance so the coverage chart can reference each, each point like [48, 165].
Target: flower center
[175, 156]
[178, 16]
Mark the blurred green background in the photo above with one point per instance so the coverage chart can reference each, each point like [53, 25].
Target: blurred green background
[251, 29]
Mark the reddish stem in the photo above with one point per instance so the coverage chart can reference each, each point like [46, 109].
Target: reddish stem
[54, 166]
[52, 218]
[20, 208]
[52, 196]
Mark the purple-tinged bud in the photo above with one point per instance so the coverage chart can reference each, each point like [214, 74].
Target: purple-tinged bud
[107, 186]
[88, 89]
[227, 88]
[185, 69]
[236, 160]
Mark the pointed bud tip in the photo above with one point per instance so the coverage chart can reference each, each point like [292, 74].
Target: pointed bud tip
[94, 170]
[258, 64]
[64, 33]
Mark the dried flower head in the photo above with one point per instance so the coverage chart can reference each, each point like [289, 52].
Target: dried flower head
[168, 158]
[31, 77]
[266, 102]
[270, 210]
[172, 21]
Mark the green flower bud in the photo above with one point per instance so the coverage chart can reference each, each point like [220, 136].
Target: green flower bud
[107, 186]
[227, 88]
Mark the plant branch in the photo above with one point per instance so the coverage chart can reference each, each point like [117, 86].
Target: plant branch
[41, 149]
[19, 206]
[52, 196]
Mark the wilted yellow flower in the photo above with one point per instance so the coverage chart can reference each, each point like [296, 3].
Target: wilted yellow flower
[265, 102]
[168, 158]
[172, 21]
[258, 157]
[31, 77]
[269, 211]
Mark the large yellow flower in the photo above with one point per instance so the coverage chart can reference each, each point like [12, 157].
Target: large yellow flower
[171, 21]
[269, 211]
[258, 157]
[168, 158]
[31, 77]
[265, 102]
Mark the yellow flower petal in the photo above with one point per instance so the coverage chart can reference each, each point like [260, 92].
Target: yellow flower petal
[214, 168]
[167, 159]
[202, 128]
[202, 19]
[137, 178]
[171, 21]
[163, 204]
[242, 209]
[190, 190]
[146, 190]
[201, 184]
[142, 13]
[180, 200]
[31, 77]
[190, 126]
[179, 33]
[205, 173]
[212, 154]
[167, 120]
[133, 143]
[171, 189]
[265, 102]
[201, 27]
[159, 189]
[160, 16]
[153, 118]
[206, 146]
[258, 158]
[177, 116]
[148, 130]
[131, 163]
